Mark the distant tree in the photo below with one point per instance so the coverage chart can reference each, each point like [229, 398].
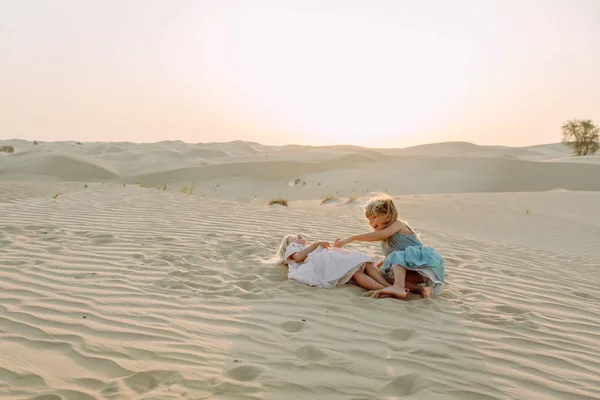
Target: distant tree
[582, 136]
[35, 142]
[7, 149]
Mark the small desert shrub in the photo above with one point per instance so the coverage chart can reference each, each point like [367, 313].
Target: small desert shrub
[189, 191]
[279, 201]
[85, 186]
[143, 185]
[7, 149]
[35, 142]
[297, 181]
[351, 199]
[327, 198]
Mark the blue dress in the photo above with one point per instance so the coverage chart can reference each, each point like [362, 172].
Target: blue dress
[408, 251]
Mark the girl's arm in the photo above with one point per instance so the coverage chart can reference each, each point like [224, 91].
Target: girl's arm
[301, 255]
[372, 236]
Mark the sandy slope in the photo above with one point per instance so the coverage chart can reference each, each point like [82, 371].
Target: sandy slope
[244, 171]
[127, 292]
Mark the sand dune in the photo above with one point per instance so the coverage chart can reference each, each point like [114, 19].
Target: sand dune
[110, 289]
[465, 149]
[594, 159]
[338, 170]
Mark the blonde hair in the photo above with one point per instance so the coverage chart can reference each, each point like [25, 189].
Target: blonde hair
[280, 256]
[382, 204]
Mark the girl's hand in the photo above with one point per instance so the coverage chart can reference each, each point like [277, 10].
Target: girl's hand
[324, 245]
[340, 243]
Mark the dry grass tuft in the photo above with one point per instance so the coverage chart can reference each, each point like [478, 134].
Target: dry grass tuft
[279, 201]
[327, 198]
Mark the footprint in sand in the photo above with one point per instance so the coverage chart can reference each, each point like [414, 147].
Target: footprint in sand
[398, 336]
[46, 397]
[85, 275]
[510, 310]
[245, 372]
[402, 334]
[102, 238]
[276, 277]
[140, 257]
[168, 257]
[432, 353]
[244, 284]
[145, 381]
[111, 391]
[404, 385]
[310, 353]
[178, 273]
[293, 326]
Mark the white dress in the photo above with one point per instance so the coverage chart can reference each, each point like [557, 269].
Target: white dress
[324, 268]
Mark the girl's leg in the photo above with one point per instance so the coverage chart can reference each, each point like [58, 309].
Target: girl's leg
[424, 291]
[413, 287]
[374, 273]
[366, 282]
[398, 289]
[413, 279]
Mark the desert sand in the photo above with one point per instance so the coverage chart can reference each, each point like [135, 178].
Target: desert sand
[145, 271]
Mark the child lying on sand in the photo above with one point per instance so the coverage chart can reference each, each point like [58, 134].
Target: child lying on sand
[319, 265]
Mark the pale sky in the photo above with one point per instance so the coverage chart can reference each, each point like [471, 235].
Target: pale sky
[370, 73]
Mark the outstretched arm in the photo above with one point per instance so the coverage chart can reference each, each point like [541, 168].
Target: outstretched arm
[301, 255]
[371, 236]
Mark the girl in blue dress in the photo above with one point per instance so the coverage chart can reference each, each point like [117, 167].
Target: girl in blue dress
[408, 265]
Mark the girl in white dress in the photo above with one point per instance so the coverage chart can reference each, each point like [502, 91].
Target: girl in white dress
[319, 265]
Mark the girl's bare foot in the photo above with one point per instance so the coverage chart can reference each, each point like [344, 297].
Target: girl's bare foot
[426, 292]
[391, 291]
